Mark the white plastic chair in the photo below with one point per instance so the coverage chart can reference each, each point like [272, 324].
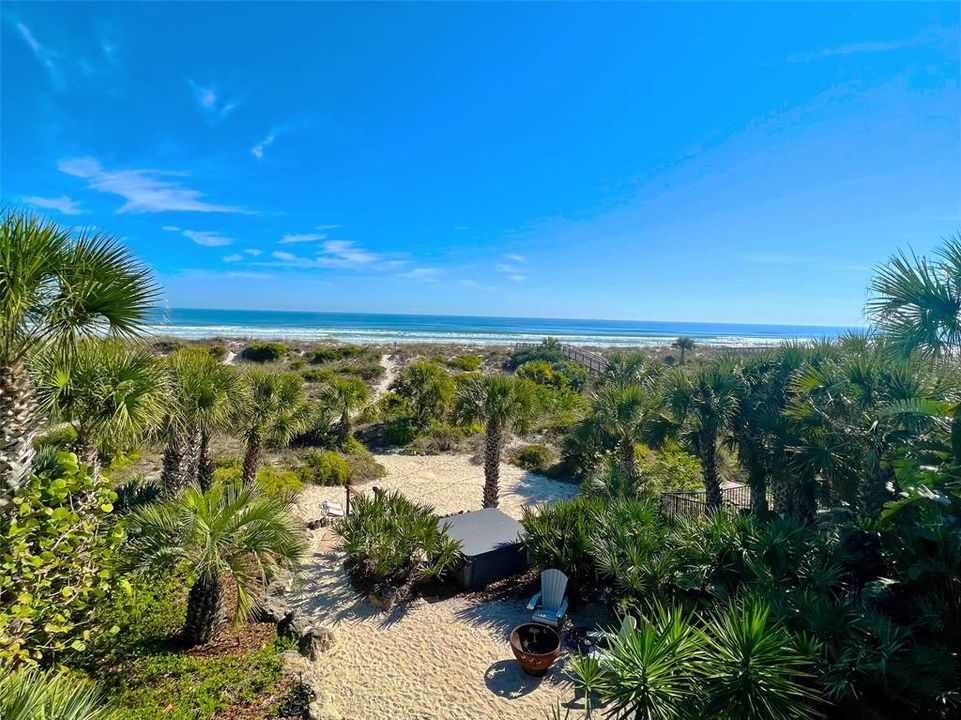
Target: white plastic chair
[628, 625]
[553, 604]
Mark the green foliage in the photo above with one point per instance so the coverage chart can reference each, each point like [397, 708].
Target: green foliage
[558, 535]
[297, 365]
[63, 438]
[317, 375]
[324, 467]
[56, 550]
[548, 351]
[261, 352]
[363, 465]
[669, 468]
[536, 458]
[149, 677]
[217, 352]
[397, 540]
[440, 437]
[427, 391]
[335, 353]
[566, 374]
[34, 695]
[467, 363]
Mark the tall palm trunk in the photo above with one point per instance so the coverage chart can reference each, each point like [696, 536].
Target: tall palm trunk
[627, 451]
[17, 429]
[757, 481]
[205, 610]
[205, 466]
[251, 459]
[682, 356]
[712, 483]
[344, 431]
[493, 444]
[173, 475]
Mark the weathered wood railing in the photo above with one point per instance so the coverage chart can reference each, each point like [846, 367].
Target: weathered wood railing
[592, 361]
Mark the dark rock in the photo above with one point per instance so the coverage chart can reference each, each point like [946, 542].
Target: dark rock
[272, 610]
[316, 641]
[293, 626]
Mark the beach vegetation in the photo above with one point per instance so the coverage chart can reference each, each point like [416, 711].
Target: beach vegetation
[345, 397]
[324, 467]
[503, 403]
[55, 289]
[395, 540]
[30, 694]
[335, 353]
[535, 458]
[465, 363]
[684, 345]
[271, 480]
[229, 531]
[427, 391]
[272, 409]
[264, 352]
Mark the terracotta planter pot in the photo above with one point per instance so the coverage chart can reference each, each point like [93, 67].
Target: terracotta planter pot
[536, 647]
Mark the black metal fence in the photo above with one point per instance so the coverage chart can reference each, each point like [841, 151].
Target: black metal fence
[734, 498]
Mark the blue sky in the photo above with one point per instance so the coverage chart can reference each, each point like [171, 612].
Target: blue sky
[725, 162]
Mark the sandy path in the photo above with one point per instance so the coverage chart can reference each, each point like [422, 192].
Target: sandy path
[445, 660]
[390, 372]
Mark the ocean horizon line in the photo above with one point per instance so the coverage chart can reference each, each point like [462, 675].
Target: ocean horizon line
[396, 328]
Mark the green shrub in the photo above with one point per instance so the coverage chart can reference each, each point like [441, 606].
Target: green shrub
[57, 546]
[559, 536]
[363, 465]
[336, 352]
[325, 467]
[34, 695]
[397, 540]
[217, 352]
[438, 437]
[278, 482]
[401, 431]
[297, 364]
[670, 468]
[536, 458]
[427, 391]
[60, 438]
[317, 375]
[368, 371]
[264, 352]
[467, 363]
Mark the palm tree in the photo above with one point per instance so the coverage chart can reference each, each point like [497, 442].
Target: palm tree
[345, 396]
[625, 414]
[273, 408]
[54, 290]
[683, 344]
[427, 389]
[205, 393]
[502, 403]
[916, 302]
[229, 531]
[631, 369]
[110, 392]
[703, 406]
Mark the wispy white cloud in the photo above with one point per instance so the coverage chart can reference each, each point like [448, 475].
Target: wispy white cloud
[207, 238]
[253, 252]
[236, 257]
[63, 204]
[145, 190]
[427, 274]
[337, 254]
[212, 104]
[518, 277]
[517, 258]
[48, 59]
[860, 48]
[301, 238]
[276, 132]
[250, 275]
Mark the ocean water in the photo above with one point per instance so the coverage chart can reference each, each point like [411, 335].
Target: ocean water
[388, 329]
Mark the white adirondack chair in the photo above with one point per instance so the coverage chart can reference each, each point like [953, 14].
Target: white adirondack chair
[628, 625]
[549, 605]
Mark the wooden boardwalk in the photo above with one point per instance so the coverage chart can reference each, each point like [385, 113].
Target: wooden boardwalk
[592, 361]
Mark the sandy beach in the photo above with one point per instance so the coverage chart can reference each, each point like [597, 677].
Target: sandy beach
[427, 660]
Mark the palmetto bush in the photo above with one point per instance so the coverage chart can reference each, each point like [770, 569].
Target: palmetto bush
[35, 695]
[397, 540]
[559, 536]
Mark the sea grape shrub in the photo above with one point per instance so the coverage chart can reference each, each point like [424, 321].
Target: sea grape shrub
[393, 539]
[273, 481]
[262, 352]
[57, 546]
[325, 467]
[536, 458]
